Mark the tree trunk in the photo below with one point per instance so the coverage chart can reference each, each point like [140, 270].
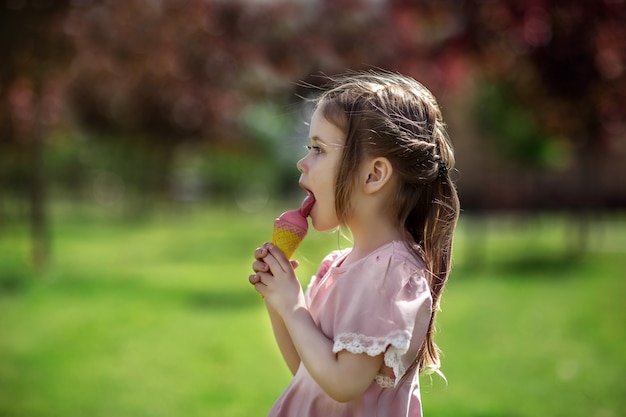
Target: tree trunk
[40, 237]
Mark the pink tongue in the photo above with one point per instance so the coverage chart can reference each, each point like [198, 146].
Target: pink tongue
[307, 205]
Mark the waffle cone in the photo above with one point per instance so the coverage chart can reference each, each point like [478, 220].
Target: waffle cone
[291, 227]
[286, 239]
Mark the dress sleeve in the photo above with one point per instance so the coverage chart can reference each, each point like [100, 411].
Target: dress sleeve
[382, 306]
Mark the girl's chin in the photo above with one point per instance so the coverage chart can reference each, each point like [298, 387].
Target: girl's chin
[321, 226]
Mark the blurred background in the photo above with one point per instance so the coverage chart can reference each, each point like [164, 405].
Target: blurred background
[146, 145]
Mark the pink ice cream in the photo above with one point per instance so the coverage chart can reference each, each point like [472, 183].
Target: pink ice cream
[291, 227]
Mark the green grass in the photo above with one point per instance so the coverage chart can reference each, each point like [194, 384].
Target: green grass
[156, 318]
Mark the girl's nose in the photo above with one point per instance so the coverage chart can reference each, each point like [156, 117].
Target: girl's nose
[301, 165]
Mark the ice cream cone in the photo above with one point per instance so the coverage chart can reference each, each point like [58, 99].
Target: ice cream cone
[291, 227]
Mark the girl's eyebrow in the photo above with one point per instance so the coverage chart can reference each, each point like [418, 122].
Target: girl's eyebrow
[317, 139]
[325, 144]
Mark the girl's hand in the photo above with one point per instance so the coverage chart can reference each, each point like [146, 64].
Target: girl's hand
[260, 266]
[275, 278]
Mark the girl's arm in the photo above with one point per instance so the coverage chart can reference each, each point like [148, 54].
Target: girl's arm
[283, 340]
[343, 375]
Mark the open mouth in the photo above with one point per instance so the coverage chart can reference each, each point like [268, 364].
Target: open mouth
[309, 192]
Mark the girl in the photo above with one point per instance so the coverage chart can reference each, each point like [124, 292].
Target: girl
[378, 164]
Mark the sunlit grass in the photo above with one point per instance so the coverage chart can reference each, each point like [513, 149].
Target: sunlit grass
[155, 318]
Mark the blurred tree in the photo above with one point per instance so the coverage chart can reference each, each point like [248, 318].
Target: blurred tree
[183, 70]
[563, 61]
[150, 76]
[559, 67]
[158, 75]
[34, 52]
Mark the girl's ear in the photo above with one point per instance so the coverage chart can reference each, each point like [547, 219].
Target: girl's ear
[377, 174]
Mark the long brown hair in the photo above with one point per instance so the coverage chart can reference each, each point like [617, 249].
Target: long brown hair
[393, 116]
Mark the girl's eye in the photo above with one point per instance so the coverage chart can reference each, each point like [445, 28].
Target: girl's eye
[314, 149]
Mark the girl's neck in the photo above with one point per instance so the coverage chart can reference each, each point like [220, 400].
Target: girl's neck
[371, 220]
[369, 238]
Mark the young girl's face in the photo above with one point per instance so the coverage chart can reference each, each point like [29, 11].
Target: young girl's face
[319, 169]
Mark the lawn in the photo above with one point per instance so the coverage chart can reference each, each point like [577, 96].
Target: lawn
[154, 317]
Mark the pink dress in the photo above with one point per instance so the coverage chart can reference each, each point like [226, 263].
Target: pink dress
[379, 304]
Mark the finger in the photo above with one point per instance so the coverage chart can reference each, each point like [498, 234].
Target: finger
[264, 278]
[273, 264]
[261, 252]
[279, 258]
[260, 266]
[260, 288]
[254, 279]
[294, 263]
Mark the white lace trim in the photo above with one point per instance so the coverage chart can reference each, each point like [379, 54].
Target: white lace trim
[385, 381]
[394, 345]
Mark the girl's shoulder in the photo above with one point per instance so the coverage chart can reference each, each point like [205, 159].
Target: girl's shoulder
[331, 259]
[395, 253]
[392, 267]
[402, 253]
